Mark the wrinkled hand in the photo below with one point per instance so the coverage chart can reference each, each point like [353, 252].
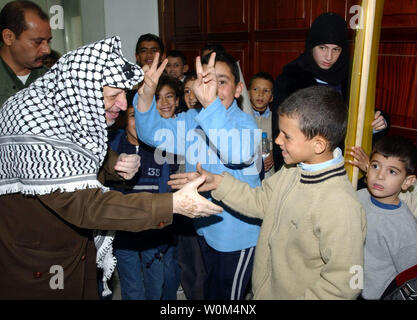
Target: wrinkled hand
[269, 162]
[127, 165]
[379, 122]
[360, 158]
[205, 87]
[181, 179]
[188, 202]
[147, 89]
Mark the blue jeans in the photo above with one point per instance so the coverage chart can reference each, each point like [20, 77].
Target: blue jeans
[150, 274]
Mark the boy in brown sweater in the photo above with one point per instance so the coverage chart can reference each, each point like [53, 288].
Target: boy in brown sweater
[312, 236]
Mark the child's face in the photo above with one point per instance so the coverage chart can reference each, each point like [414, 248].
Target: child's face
[260, 94]
[166, 102]
[386, 177]
[293, 143]
[146, 52]
[175, 68]
[189, 97]
[131, 126]
[227, 90]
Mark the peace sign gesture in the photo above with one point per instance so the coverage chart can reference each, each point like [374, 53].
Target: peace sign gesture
[205, 87]
[147, 89]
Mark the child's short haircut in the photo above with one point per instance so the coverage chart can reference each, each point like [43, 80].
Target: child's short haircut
[177, 54]
[213, 47]
[225, 57]
[192, 75]
[261, 75]
[172, 82]
[398, 147]
[150, 37]
[321, 110]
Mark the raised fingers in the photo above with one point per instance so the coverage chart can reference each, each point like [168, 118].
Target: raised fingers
[198, 66]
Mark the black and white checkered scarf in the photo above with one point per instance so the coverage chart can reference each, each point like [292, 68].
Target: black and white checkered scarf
[53, 134]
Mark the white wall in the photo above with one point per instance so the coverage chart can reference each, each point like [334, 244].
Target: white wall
[129, 19]
[101, 19]
[92, 18]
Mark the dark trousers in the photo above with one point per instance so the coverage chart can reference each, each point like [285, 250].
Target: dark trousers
[228, 273]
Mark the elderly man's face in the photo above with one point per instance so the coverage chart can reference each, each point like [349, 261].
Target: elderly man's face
[114, 102]
[32, 46]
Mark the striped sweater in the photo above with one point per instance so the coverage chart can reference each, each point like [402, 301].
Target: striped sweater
[312, 236]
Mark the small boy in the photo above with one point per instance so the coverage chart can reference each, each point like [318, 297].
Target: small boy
[177, 65]
[222, 138]
[391, 238]
[261, 87]
[313, 227]
[361, 160]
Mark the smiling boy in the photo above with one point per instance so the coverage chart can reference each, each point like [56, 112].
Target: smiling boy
[313, 227]
[391, 239]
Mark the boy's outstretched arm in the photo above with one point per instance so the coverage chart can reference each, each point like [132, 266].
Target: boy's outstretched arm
[180, 179]
[147, 89]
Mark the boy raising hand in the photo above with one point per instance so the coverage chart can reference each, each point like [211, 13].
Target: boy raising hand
[222, 138]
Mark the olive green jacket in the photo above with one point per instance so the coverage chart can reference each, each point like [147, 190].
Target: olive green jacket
[11, 84]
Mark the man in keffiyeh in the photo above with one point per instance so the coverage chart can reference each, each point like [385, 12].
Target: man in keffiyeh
[53, 149]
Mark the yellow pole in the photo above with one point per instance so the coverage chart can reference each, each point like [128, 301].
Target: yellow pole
[363, 81]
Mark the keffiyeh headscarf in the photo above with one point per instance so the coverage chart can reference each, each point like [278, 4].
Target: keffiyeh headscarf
[53, 134]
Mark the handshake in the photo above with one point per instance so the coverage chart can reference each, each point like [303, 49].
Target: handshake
[186, 201]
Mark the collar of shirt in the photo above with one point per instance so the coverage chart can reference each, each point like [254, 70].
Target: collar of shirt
[264, 114]
[385, 206]
[337, 158]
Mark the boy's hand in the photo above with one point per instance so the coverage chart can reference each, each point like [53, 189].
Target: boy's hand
[205, 87]
[379, 122]
[180, 179]
[147, 89]
[188, 202]
[127, 165]
[360, 158]
[269, 162]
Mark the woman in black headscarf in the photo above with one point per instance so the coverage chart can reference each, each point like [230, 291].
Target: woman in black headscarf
[325, 61]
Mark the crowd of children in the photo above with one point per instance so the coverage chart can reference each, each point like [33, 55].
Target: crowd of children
[300, 233]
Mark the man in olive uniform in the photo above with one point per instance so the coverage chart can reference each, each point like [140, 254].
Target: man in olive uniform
[25, 36]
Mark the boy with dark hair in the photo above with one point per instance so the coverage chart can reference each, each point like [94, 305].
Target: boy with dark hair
[313, 226]
[261, 87]
[391, 238]
[177, 65]
[147, 46]
[222, 138]
[212, 47]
